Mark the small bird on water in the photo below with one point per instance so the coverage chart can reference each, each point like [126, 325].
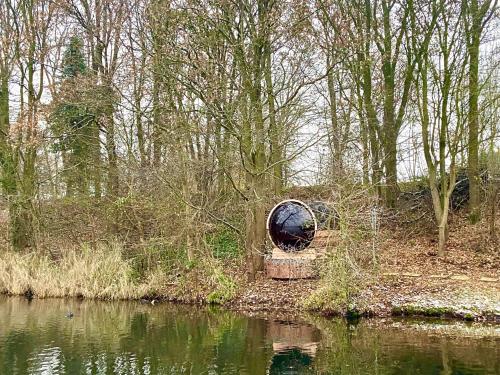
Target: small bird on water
[69, 315]
[147, 302]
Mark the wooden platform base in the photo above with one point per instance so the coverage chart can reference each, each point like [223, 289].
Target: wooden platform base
[303, 264]
[290, 268]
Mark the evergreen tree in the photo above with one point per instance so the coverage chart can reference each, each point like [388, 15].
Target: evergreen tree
[74, 60]
[73, 118]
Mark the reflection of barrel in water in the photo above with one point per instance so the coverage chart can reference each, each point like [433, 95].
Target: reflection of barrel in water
[291, 361]
[294, 347]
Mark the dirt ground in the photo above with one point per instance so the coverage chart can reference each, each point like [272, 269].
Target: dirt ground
[412, 279]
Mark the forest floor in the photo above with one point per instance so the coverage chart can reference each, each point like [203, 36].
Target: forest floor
[411, 279]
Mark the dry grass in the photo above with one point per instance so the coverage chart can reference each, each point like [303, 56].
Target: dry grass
[100, 272]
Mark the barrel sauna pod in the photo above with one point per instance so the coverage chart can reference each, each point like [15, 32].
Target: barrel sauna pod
[292, 227]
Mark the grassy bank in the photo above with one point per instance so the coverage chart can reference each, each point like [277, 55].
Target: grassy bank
[392, 272]
[99, 272]
[103, 272]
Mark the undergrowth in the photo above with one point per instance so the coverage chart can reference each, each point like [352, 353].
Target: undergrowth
[103, 272]
[224, 243]
[339, 285]
[349, 263]
[225, 287]
[100, 272]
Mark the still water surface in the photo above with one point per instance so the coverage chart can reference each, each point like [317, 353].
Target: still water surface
[132, 338]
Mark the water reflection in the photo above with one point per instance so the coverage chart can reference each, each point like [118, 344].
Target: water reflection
[130, 338]
[294, 347]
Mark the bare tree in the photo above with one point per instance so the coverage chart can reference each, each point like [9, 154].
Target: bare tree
[440, 114]
[476, 15]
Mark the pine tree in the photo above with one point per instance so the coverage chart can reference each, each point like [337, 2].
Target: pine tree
[73, 119]
[74, 60]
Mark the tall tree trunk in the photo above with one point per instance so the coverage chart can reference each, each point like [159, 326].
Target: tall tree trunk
[95, 149]
[253, 133]
[337, 166]
[476, 14]
[275, 131]
[258, 181]
[25, 215]
[8, 164]
[442, 188]
[113, 183]
[390, 131]
[473, 119]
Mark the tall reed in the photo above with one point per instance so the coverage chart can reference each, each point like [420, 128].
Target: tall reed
[101, 272]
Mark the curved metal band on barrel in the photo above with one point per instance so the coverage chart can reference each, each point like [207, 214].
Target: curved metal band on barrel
[294, 201]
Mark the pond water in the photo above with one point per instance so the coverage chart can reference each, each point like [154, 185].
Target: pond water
[37, 337]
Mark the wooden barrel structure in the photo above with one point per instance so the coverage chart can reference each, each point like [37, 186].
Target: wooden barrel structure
[298, 245]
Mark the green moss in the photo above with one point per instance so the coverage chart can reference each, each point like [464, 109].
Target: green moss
[438, 311]
[469, 316]
[410, 310]
[396, 310]
[326, 299]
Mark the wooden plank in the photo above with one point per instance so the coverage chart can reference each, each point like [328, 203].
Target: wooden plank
[460, 277]
[290, 268]
[488, 279]
[304, 254]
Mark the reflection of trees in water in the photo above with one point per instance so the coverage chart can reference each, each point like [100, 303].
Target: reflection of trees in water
[122, 337]
[403, 349]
